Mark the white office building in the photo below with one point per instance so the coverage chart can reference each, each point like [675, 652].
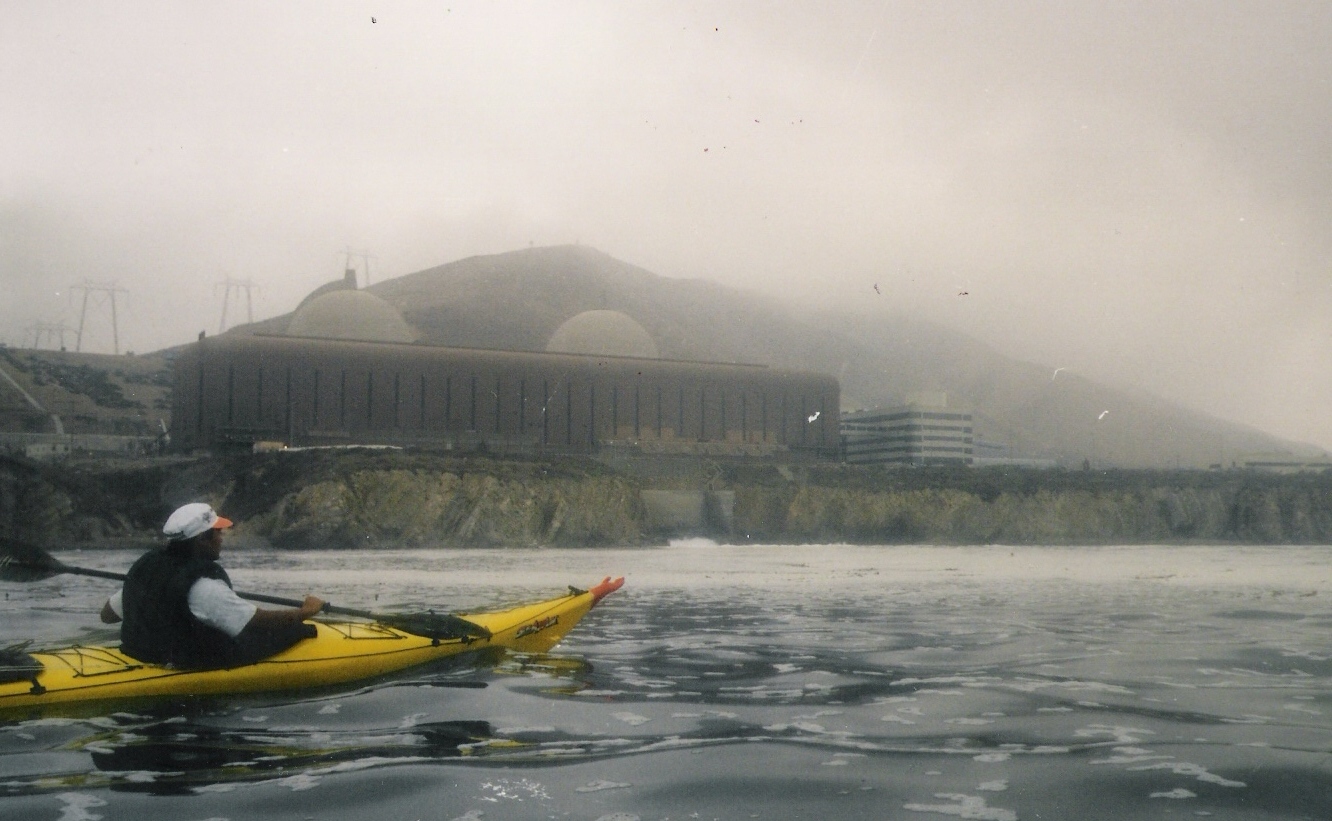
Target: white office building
[924, 431]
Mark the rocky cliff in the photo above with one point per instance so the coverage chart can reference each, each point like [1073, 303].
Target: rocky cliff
[366, 498]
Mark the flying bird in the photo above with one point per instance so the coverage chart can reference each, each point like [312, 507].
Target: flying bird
[1056, 373]
[814, 416]
[1102, 416]
[876, 288]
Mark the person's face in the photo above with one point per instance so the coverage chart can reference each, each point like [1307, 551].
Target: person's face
[211, 543]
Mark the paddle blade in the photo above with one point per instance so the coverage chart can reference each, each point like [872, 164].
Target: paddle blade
[17, 665]
[432, 625]
[23, 562]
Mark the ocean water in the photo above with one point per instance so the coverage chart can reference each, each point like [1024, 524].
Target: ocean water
[770, 682]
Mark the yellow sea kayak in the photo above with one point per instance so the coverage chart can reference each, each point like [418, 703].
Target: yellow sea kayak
[343, 651]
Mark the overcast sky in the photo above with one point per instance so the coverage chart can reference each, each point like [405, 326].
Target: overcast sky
[1139, 192]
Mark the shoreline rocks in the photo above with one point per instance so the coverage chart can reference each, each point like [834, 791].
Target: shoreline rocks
[345, 499]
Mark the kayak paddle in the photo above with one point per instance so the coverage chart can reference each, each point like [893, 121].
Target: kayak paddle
[23, 562]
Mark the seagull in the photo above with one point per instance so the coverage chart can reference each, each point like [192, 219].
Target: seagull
[815, 416]
[1102, 416]
[1056, 373]
[876, 289]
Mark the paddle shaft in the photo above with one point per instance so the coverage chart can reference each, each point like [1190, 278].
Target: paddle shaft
[259, 597]
[26, 563]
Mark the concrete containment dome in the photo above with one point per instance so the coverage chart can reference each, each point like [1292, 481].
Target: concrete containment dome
[351, 315]
[347, 283]
[603, 333]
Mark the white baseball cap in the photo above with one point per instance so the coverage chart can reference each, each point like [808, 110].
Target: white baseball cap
[190, 520]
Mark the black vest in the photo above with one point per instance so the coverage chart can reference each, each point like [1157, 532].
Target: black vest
[158, 625]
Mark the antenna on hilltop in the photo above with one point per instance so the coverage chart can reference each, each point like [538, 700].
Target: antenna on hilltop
[99, 291]
[237, 285]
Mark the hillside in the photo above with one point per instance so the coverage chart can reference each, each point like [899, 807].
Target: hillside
[90, 393]
[517, 300]
[1030, 410]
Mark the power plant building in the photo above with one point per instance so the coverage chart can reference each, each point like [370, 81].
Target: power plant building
[350, 374]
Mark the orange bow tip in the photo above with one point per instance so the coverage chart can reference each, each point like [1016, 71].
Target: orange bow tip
[605, 588]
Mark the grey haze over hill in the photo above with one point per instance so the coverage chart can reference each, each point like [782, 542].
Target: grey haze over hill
[516, 300]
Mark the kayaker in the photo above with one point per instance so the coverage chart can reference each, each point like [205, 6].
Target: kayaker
[178, 608]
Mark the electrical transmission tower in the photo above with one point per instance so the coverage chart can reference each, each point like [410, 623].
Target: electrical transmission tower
[101, 293]
[51, 332]
[365, 256]
[236, 285]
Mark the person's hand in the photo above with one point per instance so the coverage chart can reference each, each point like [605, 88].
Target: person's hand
[311, 607]
[109, 614]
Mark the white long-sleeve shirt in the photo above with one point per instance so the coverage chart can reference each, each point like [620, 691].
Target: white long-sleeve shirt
[212, 602]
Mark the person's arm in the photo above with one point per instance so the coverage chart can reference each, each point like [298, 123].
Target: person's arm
[217, 605]
[111, 611]
[310, 608]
